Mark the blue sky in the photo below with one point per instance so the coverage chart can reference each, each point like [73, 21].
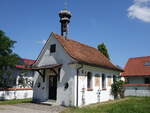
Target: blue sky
[123, 25]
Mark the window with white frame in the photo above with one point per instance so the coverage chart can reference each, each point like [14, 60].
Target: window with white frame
[103, 81]
[147, 63]
[89, 80]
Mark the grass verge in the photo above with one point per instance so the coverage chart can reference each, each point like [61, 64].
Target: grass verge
[17, 101]
[126, 105]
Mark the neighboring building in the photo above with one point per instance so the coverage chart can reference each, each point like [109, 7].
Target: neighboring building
[19, 81]
[21, 76]
[23, 73]
[137, 76]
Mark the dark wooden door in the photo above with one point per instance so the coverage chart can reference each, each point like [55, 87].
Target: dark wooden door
[52, 87]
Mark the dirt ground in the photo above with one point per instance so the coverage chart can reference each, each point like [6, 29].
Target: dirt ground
[30, 108]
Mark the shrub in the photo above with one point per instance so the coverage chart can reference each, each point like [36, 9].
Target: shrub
[117, 89]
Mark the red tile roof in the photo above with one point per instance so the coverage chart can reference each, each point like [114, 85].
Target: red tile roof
[28, 61]
[23, 67]
[85, 54]
[25, 63]
[136, 67]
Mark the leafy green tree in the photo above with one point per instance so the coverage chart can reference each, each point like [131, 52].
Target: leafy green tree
[8, 58]
[102, 48]
[117, 88]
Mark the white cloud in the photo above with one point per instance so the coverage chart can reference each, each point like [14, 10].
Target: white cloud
[140, 10]
[41, 42]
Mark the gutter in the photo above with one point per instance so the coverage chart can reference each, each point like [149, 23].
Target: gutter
[95, 65]
[77, 84]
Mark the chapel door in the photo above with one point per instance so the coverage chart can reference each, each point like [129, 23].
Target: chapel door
[52, 87]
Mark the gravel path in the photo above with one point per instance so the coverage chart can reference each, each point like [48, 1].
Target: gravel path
[30, 108]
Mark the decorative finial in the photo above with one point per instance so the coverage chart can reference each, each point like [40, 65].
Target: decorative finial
[65, 4]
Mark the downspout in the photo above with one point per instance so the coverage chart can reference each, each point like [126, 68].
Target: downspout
[78, 83]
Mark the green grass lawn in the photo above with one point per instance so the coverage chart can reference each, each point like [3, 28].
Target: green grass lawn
[126, 105]
[18, 101]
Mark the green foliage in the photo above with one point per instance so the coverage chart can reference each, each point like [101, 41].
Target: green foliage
[117, 89]
[8, 58]
[102, 48]
[18, 101]
[126, 105]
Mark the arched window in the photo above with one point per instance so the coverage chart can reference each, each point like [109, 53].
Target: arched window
[103, 81]
[89, 80]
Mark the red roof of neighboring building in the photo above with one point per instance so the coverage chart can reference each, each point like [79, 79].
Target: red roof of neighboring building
[26, 63]
[85, 54]
[137, 67]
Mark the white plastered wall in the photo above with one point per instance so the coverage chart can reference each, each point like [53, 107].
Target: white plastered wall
[137, 90]
[67, 72]
[90, 97]
[16, 94]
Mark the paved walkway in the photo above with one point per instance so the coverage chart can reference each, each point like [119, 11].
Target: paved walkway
[30, 108]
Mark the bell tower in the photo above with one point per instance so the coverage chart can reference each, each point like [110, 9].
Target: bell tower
[65, 16]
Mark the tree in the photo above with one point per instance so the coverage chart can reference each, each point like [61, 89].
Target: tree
[117, 89]
[102, 48]
[8, 58]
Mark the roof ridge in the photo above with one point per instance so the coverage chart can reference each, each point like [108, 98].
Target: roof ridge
[139, 57]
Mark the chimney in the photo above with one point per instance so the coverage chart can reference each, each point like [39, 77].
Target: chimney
[65, 16]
